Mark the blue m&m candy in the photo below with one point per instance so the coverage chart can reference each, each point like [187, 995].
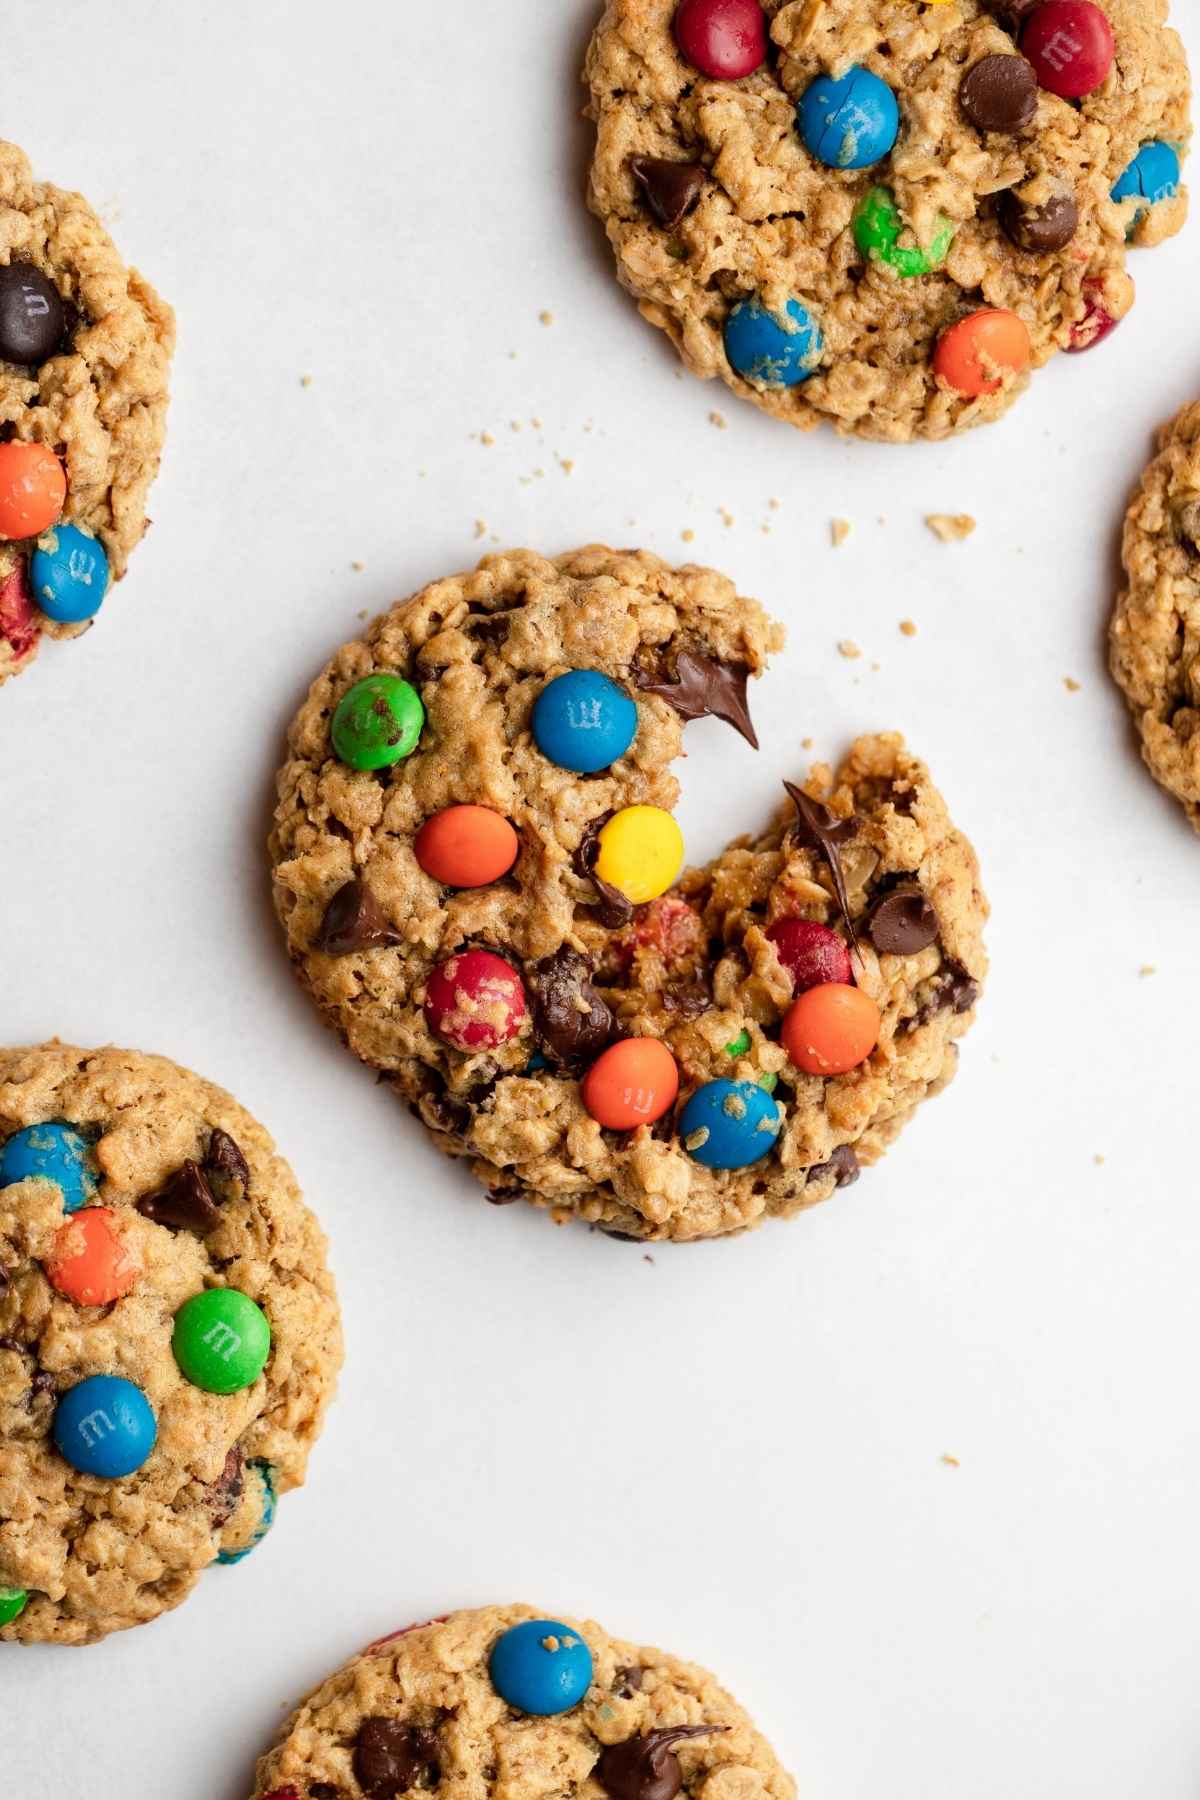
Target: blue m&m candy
[541, 1667]
[69, 574]
[1153, 175]
[850, 122]
[262, 1475]
[765, 350]
[105, 1426]
[729, 1124]
[583, 721]
[51, 1152]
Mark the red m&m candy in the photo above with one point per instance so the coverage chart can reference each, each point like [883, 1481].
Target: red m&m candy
[466, 846]
[1071, 46]
[18, 621]
[475, 1001]
[91, 1263]
[974, 354]
[831, 1029]
[33, 487]
[812, 954]
[726, 39]
[1096, 322]
[632, 1083]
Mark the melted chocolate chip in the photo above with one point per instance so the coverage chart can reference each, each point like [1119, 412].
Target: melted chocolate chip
[225, 1492]
[391, 1757]
[999, 93]
[354, 920]
[502, 1196]
[902, 922]
[687, 999]
[646, 1768]
[842, 1165]
[491, 629]
[613, 906]
[571, 1021]
[1039, 229]
[446, 1114]
[186, 1203]
[224, 1157]
[951, 990]
[823, 831]
[629, 1681]
[670, 189]
[32, 317]
[702, 685]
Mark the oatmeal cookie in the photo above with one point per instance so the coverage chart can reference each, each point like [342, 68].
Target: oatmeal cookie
[878, 212]
[499, 1700]
[169, 1337]
[85, 352]
[475, 865]
[1154, 642]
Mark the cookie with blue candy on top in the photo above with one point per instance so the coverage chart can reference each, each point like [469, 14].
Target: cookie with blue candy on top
[883, 213]
[169, 1338]
[500, 1700]
[481, 881]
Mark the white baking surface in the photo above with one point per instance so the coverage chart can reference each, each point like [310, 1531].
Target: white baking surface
[736, 1451]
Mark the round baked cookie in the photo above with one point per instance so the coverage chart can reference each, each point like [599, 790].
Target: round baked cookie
[169, 1337]
[489, 913]
[501, 1700]
[1154, 642]
[881, 212]
[85, 352]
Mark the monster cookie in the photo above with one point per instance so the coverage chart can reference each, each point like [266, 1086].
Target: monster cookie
[169, 1337]
[883, 212]
[500, 1701]
[1154, 645]
[478, 872]
[85, 349]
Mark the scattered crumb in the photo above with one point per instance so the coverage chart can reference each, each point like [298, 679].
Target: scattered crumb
[480, 528]
[839, 531]
[1097, 1159]
[951, 1462]
[648, 1258]
[486, 439]
[364, 614]
[766, 530]
[1070, 683]
[949, 528]
[358, 567]
[875, 668]
[546, 318]
[688, 536]
[1147, 969]
[566, 463]
[517, 425]
[908, 628]
[536, 423]
[727, 518]
[774, 505]
[849, 649]
[717, 419]
[806, 743]
[306, 381]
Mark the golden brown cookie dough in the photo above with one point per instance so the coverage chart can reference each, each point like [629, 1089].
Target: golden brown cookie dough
[100, 401]
[694, 968]
[419, 1711]
[772, 221]
[1154, 642]
[191, 1213]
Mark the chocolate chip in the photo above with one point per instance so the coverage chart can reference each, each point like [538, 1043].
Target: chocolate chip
[687, 999]
[571, 1021]
[390, 1757]
[646, 1768]
[702, 686]
[842, 1165]
[1011, 14]
[951, 990]
[491, 629]
[502, 1196]
[32, 319]
[629, 1681]
[225, 1492]
[185, 1204]
[354, 920]
[823, 831]
[614, 907]
[1000, 93]
[324, 1790]
[671, 189]
[224, 1157]
[1039, 229]
[453, 1117]
[5, 1283]
[903, 921]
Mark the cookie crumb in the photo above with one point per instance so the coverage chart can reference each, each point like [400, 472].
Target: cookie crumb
[1097, 1159]
[849, 649]
[1070, 683]
[908, 628]
[727, 518]
[951, 1462]
[358, 567]
[949, 528]
[480, 528]
[719, 420]
[517, 425]
[1147, 969]
[839, 531]
[688, 536]
[486, 439]
[774, 505]
[306, 381]
[364, 614]
[566, 464]
[546, 318]
[806, 743]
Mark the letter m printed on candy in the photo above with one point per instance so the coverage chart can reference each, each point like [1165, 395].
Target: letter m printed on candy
[1061, 49]
[95, 1426]
[223, 1340]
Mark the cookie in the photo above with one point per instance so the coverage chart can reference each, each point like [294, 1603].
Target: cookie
[502, 1701]
[879, 213]
[664, 1058]
[169, 1337]
[85, 352]
[1154, 640]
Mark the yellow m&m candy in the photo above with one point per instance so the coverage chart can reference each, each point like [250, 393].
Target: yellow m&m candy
[641, 852]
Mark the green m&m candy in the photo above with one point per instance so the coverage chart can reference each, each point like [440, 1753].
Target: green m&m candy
[739, 1047]
[13, 1602]
[377, 722]
[877, 229]
[221, 1340]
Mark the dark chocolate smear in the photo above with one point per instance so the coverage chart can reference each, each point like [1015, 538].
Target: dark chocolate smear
[823, 831]
[391, 1757]
[225, 1492]
[702, 686]
[951, 990]
[354, 920]
[670, 189]
[902, 922]
[185, 1204]
[842, 1165]
[613, 906]
[571, 1021]
[647, 1768]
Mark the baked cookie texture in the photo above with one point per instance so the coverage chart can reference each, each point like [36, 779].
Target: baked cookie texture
[426, 1694]
[694, 968]
[100, 402]
[1154, 641]
[99, 1555]
[773, 222]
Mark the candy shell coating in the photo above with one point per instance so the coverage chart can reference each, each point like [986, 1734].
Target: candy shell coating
[33, 489]
[725, 39]
[51, 1152]
[584, 722]
[91, 1262]
[736, 1122]
[831, 1029]
[466, 846]
[763, 351]
[377, 722]
[221, 1340]
[474, 1000]
[541, 1667]
[991, 333]
[632, 1083]
[13, 1601]
[641, 852]
[877, 229]
[266, 1476]
[69, 574]
[105, 1426]
[848, 121]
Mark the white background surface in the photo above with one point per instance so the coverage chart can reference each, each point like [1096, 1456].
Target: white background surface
[732, 1450]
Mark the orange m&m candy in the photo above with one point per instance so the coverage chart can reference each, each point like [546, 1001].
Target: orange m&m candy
[466, 846]
[91, 1262]
[831, 1029]
[33, 487]
[632, 1083]
[975, 354]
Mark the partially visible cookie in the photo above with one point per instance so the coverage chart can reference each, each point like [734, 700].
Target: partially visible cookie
[169, 1337]
[85, 352]
[879, 213]
[1154, 641]
[499, 1702]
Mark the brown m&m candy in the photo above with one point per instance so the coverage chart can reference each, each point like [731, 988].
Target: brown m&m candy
[32, 317]
[999, 93]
